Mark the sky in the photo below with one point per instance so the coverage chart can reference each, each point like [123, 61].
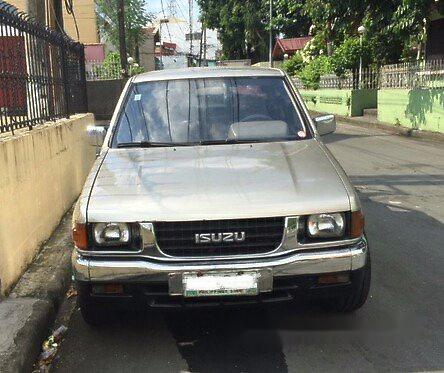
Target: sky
[175, 32]
[179, 7]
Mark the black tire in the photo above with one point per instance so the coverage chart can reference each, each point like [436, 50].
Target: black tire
[92, 313]
[357, 296]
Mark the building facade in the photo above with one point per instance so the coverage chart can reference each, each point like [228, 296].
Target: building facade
[79, 22]
[289, 47]
[147, 48]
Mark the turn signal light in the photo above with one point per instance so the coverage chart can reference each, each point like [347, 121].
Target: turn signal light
[357, 224]
[333, 278]
[80, 236]
[110, 289]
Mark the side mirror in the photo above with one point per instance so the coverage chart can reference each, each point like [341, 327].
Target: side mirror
[97, 134]
[325, 124]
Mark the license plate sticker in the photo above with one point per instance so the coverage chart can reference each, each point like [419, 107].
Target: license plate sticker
[220, 284]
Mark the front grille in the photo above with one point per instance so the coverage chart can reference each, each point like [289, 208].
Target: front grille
[178, 238]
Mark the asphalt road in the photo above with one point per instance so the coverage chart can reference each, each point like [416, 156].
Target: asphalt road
[401, 327]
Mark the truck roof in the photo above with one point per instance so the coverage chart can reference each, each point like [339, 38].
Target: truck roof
[206, 72]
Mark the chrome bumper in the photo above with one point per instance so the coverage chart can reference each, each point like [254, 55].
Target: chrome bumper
[144, 270]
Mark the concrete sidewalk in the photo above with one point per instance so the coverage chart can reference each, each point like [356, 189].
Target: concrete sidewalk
[372, 122]
[29, 311]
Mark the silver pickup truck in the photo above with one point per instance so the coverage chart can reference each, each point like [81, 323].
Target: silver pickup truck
[213, 188]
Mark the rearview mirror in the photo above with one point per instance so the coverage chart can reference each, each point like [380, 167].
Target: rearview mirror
[97, 134]
[325, 124]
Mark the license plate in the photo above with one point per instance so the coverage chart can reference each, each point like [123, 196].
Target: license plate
[220, 284]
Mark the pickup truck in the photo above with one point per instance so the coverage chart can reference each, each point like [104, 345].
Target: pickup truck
[213, 188]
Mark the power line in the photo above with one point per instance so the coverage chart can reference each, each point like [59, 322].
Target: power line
[190, 11]
[70, 10]
[168, 28]
[176, 5]
[180, 9]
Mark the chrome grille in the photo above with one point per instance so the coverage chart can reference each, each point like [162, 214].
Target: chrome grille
[178, 238]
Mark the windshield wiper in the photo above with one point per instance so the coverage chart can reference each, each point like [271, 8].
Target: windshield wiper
[150, 144]
[228, 141]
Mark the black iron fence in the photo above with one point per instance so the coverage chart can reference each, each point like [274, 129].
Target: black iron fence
[42, 72]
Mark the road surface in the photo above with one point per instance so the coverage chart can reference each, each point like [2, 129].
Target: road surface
[401, 183]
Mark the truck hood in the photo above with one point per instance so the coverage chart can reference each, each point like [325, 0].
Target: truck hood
[216, 182]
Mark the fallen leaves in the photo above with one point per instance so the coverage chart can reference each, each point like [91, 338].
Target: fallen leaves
[72, 292]
[50, 348]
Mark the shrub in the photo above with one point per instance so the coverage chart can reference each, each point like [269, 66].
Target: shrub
[314, 48]
[346, 56]
[110, 67]
[135, 69]
[311, 74]
[294, 64]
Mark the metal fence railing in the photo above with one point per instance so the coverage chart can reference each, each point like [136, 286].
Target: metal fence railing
[97, 70]
[422, 74]
[297, 82]
[368, 78]
[42, 72]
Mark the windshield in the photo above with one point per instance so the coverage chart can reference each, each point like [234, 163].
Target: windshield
[212, 110]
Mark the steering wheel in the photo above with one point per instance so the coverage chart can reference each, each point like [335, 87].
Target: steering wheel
[256, 117]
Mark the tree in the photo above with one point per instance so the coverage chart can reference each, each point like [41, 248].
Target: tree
[136, 17]
[347, 55]
[290, 18]
[241, 26]
[409, 21]
[394, 27]
[333, 19]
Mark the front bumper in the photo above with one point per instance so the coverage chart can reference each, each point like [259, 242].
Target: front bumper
[140, 271]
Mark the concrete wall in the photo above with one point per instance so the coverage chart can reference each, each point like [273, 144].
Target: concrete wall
[363, 99]
[103, 96]
[84, 12]
[346, 102]
[86, 22]
[334, 101]
[416, 108]
[41, 174]
[147, 51]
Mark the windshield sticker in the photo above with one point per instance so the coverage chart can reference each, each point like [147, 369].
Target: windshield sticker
[301, 134]
[137, 97]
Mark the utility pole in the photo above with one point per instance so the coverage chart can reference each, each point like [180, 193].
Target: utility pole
[361, 30]
[36, 9]
[270, 52]
[205, 46]
[122, 41]
[200, 48]
[160, 45]
[163, 20]
[190, 11]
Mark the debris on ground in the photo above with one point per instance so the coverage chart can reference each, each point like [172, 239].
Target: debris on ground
[49, 349]
[186, 343]
[72, 292]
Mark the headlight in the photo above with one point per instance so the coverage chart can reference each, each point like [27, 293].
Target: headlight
[326, 225]
[111, 234]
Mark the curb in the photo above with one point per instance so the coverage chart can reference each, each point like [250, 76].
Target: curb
[25, 341]
[29, 312]
[396, 130]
